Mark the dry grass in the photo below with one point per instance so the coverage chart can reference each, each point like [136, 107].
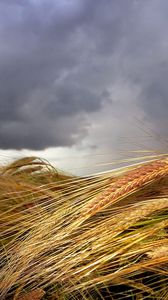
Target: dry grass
[98, 237]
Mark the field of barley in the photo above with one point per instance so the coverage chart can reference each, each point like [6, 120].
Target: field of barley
[93, 237]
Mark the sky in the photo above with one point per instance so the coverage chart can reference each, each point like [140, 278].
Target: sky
[82, 80]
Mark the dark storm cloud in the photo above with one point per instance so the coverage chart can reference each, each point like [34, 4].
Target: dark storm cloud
[146, 52]
[59, 59]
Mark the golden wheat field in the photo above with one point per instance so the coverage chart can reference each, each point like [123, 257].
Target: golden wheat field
[94, 237]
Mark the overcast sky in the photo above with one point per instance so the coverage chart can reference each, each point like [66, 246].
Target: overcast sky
[79, 77]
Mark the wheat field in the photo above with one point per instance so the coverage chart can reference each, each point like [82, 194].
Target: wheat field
[93, 237]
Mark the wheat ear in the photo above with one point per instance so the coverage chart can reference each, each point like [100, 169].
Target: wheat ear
[127, 184]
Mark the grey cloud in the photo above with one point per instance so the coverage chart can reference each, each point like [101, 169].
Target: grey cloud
[36, 135]
[147, 61]
[72, 99]
[59, 60]
[38, 46]
[155, 99]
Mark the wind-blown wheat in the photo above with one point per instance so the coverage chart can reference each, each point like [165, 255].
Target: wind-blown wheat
[78, 241]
